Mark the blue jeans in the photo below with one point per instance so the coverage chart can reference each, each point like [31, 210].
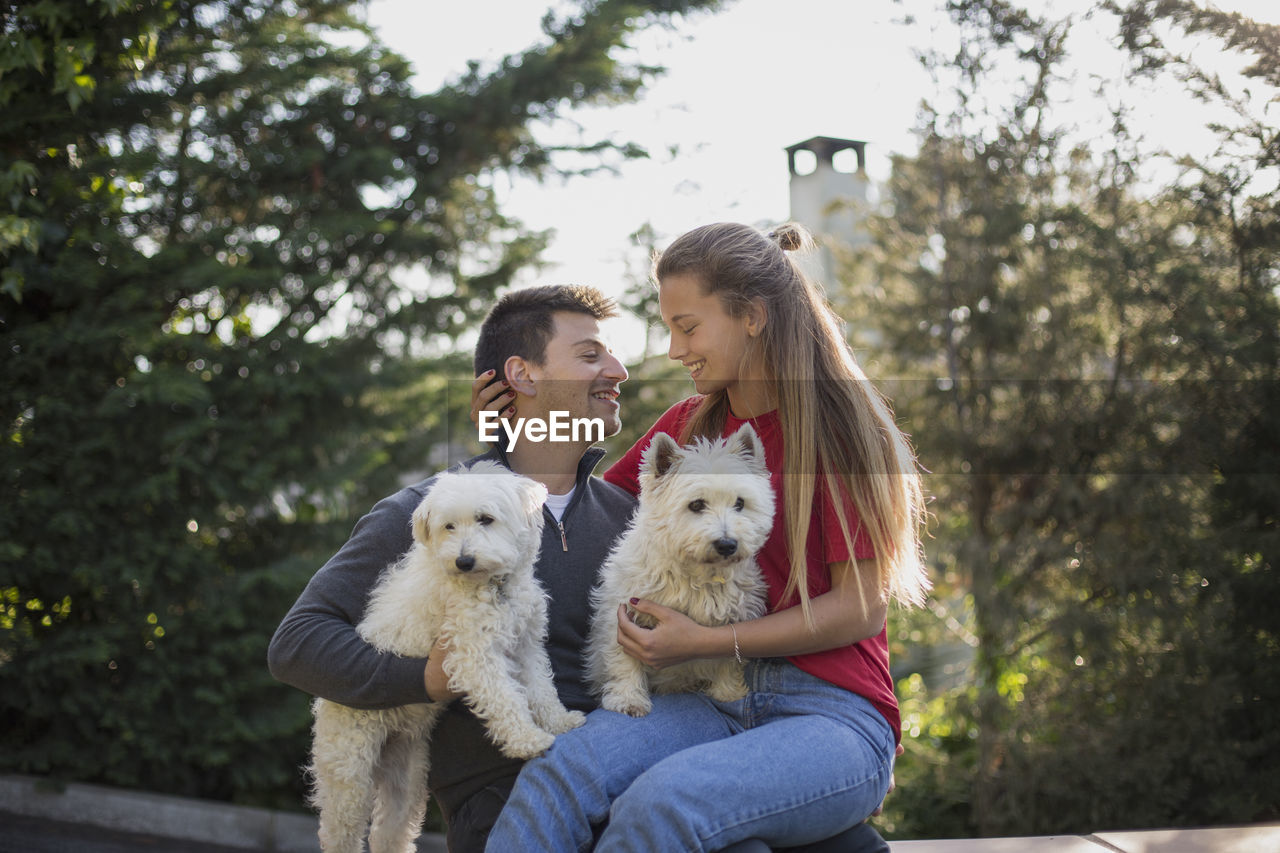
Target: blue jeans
[794, 762]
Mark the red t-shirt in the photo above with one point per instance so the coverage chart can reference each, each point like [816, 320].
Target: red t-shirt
[861, 668]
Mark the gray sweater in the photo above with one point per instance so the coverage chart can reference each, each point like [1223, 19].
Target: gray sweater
[316, 648]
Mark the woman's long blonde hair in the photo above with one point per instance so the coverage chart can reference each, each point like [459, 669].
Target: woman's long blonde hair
[832, 419]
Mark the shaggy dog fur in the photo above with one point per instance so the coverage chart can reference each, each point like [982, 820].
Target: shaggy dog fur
[468, 576]
[704, 512]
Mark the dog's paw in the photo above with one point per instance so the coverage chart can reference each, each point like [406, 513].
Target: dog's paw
[566, 721]
[633, 705]
[527, 744]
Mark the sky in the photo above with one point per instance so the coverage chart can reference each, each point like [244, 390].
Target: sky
[741, 85]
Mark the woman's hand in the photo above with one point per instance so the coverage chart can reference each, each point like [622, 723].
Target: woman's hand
[675, 638]
[490, 394]
[897, 753]
[854, 609]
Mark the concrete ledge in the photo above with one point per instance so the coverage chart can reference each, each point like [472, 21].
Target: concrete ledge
[182, 819]
[1040, 844]
[1257, 838]
[202, 821]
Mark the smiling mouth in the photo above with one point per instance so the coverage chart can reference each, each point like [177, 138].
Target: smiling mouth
[609, 395]
[695, 367]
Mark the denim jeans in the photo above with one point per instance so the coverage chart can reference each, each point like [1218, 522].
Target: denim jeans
[795, 761]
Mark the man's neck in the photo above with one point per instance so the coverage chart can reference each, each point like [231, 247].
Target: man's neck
[553, 464]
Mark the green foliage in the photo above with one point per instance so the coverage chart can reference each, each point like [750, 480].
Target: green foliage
[1091, 376]
[933, 776]
[213, 357]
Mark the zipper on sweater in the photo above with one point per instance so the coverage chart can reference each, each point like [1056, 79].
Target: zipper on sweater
[564, 543]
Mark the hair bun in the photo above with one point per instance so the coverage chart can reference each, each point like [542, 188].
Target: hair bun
[791, 237]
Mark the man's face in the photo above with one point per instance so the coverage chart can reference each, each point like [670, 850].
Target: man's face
[579, 373]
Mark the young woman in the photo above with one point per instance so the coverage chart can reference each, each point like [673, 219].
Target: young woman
[809, 751]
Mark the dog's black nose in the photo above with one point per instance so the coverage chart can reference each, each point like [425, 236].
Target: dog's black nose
[726, 547]
[465, 563]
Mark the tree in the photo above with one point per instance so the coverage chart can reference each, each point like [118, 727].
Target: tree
[1231, 207]
[213, 356]
[1088, 357]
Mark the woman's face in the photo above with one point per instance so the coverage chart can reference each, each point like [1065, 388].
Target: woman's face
[707, 340]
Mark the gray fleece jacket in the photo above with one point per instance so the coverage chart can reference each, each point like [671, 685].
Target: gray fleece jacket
[316, 648]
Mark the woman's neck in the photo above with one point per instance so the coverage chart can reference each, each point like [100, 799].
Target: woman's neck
[752, 397]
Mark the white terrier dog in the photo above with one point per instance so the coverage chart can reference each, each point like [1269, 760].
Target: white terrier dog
[704, 512]
[468, 577]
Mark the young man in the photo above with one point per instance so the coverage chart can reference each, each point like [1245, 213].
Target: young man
[546, 343]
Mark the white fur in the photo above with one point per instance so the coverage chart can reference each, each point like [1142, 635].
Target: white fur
[690, 499]
[375, 762]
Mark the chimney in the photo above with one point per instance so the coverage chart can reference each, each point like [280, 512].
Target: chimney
[828, 201]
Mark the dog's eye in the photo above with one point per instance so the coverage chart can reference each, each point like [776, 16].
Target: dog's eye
[449, 526]
[485, 520]
[739, 504]
[697, 506]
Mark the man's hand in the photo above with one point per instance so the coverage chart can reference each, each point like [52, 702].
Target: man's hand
[434, 677]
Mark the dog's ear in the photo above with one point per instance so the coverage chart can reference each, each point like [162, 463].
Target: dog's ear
[524, 503]
[532, 496]
[421, 526]
[660, 456]
[746, 444]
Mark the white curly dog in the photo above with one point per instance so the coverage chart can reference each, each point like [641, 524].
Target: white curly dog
[704, 512]
[468, 577]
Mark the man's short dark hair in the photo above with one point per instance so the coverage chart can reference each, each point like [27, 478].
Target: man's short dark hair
[520, 323]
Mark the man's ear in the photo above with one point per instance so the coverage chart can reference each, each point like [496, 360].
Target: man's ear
[757, 318]
[519, 375]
